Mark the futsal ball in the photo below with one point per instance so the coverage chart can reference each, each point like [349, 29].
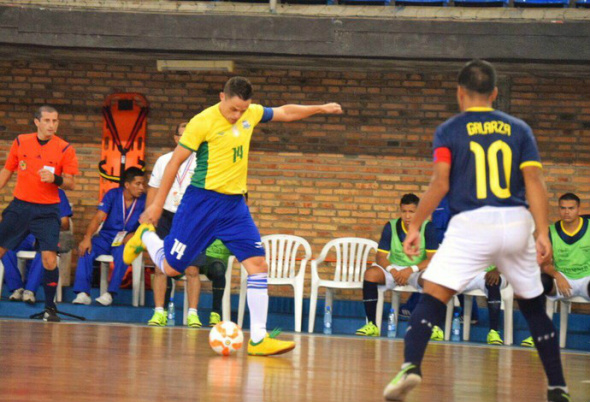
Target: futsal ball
[226, 338]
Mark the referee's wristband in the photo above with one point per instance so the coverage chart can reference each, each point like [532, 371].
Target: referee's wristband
[58, 180]
[415, 268]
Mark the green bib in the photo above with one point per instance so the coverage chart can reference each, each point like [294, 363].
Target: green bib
[572, 260]
[218, 250]
[396, 252]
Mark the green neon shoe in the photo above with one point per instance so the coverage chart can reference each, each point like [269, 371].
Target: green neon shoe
[406, 380]
[369, 329]
[192, 321]
[437, 334]
[214, 319]
[528, 342]
[494, 338]
[159, 319]
[558, 395]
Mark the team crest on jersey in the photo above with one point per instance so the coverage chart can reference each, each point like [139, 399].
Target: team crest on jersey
[23, 165]
[246, 124]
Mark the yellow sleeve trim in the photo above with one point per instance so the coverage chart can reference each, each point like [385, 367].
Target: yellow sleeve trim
[531, 163]
[383, 251]
[186, 146]
[431, 251]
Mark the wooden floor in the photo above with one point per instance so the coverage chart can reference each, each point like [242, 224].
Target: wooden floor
[93, 362]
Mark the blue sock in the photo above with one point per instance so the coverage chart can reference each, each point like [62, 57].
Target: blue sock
[428, 313]
[50, 280]
[545, 337]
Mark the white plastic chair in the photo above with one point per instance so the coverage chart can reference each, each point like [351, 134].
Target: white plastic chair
[138, 277]
[395, 301]
[1, 276]
[507, 297]
[226, 301]
[281, 256]
[565, 307]
[352, 256]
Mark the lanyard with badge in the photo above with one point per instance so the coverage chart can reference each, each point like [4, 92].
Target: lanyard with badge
[177, 195]
[118, 240]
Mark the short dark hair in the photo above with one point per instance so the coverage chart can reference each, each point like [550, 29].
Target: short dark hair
[409, 199]
[179, 125]
[130, 174]
[238, 86]
[46, 109]
[478, 76]
[570, 197]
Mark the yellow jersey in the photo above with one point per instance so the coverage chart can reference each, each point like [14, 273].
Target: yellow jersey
[222, 148]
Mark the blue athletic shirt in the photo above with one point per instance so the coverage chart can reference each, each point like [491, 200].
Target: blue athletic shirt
[112, 205]
[65, 209]
[488, 150]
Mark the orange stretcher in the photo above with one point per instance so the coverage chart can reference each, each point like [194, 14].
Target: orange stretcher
[123, 138]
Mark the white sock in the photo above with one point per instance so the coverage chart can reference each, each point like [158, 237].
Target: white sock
[192, 311]
[159, 309]
[258, 305]
[155, 248]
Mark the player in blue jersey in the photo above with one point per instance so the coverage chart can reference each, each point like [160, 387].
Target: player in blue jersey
[487, 162]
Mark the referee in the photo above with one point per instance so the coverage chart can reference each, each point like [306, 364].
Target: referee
[42, 162]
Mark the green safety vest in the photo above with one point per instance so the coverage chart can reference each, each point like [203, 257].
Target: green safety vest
[572, 260]
[396, 251]
[218, 250]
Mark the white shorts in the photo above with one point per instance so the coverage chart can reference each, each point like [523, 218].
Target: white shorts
[390, 282]
[488, 236]
[579, 288]
[479, 283]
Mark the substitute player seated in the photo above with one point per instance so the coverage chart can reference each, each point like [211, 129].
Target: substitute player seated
[393, 268]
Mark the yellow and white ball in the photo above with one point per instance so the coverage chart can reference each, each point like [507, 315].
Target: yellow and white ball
[226, 338]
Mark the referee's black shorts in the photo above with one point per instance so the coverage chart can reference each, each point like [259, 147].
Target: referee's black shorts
[163, 229]
[21, 218]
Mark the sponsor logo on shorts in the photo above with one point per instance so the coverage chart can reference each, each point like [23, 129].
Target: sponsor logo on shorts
[258, 244]
[178, 248]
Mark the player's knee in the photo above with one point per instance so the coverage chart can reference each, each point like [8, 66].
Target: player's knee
[373, 274]
[192, 272]
[49, 261]
[547, 282]
[216, 271]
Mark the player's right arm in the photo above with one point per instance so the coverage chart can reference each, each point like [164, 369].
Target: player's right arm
[5, 175]
[154, 210]
[86, 243]
[536, 194]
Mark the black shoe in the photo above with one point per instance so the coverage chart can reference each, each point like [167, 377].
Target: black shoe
[50, 315]
[558, 395]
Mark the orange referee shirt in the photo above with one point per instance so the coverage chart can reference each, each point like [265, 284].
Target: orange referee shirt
[27, 156]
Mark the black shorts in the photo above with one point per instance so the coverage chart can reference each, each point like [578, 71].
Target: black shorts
[21, 218]
[163, 230]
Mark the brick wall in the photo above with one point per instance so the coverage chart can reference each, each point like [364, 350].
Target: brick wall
[329, 176]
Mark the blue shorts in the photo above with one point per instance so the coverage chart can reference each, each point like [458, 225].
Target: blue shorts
[22, 218]
[163, 230]
[204, 216]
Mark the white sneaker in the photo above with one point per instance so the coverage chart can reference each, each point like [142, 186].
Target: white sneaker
[106, 299]
[29, 297]
[82, 298]
[17, 295]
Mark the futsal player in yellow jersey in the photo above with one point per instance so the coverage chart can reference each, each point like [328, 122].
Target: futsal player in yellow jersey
[213, 206]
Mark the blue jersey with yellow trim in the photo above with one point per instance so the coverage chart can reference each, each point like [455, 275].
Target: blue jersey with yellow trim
[488, 150]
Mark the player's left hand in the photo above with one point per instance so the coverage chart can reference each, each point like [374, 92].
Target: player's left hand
[401, 277]
[544, 250]
[46, 176]
[332, 108]
[412, 243]
[492, 277]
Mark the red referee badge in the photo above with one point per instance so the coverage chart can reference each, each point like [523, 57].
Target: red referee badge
[23, 165]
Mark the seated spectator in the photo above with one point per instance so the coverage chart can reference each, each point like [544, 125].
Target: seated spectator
[393, 267]
[119, 213]
[569, 274]
[12, 276]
